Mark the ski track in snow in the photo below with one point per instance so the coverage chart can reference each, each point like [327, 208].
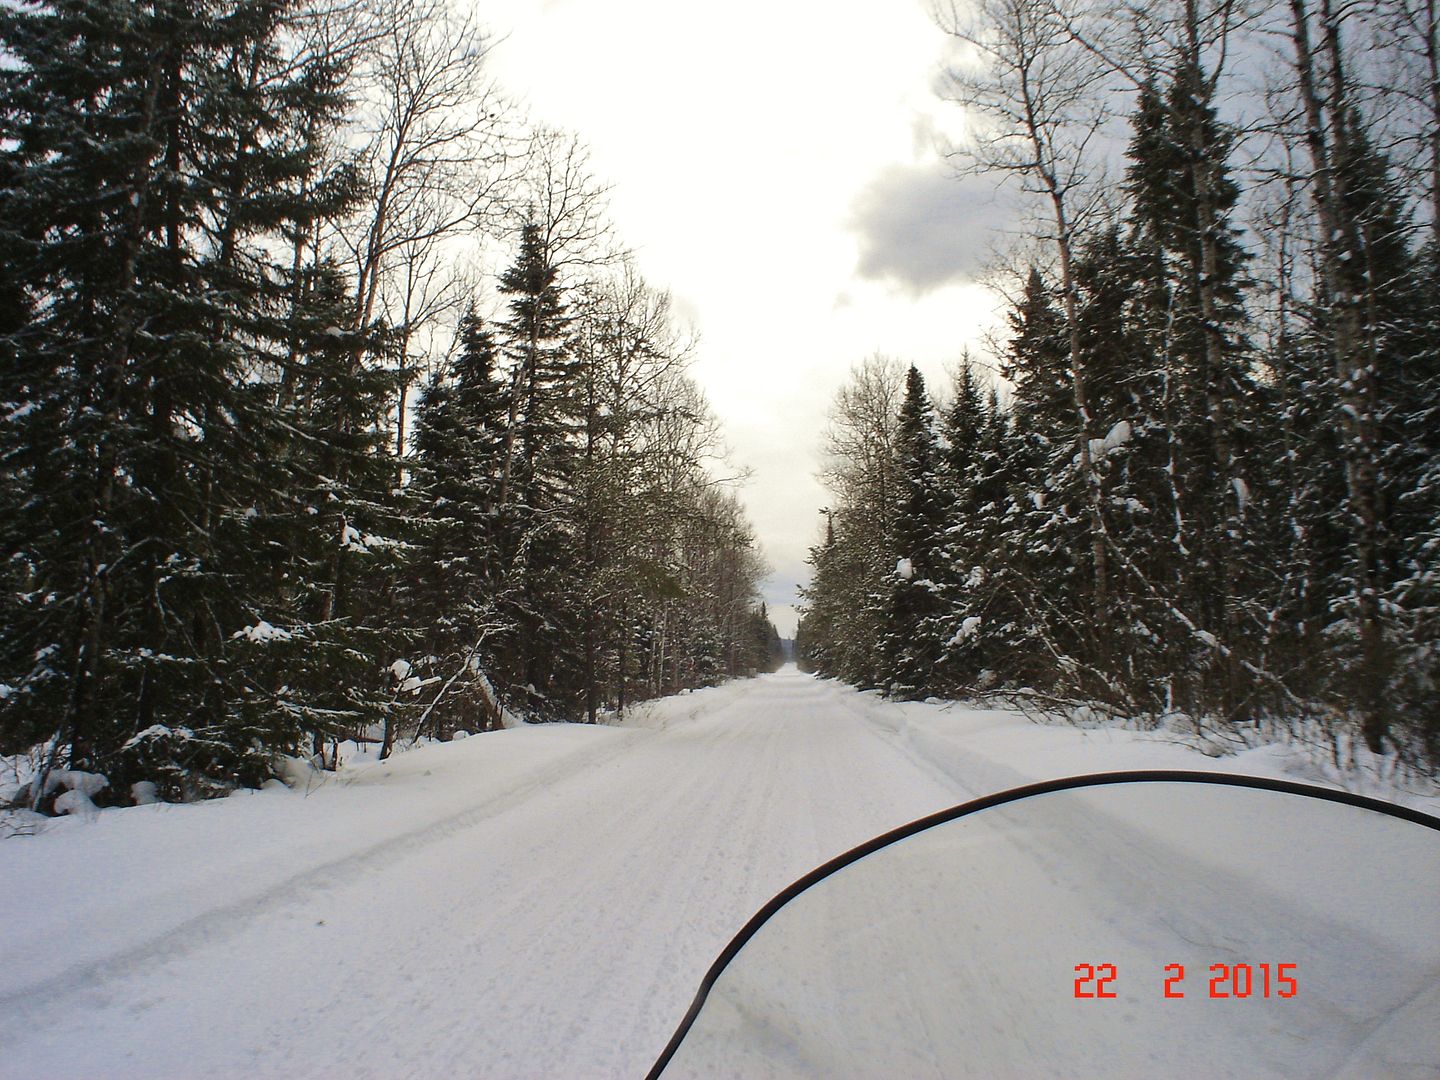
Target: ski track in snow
[556, 928]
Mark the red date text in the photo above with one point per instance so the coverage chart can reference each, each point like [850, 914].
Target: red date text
[1226, 981]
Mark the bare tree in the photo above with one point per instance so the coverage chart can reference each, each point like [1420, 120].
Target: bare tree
[436, 146]
[560, 194]
[431, 144]
[858, 448]
[1037, 105]
[629, 353]
[428, 289]
[1330, 117]
[1410, 34]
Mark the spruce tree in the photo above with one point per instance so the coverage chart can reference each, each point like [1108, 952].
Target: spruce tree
[962, 542]
[1035, 362]
[1048, 524]
[458, 589]
[1191, 315]
[910, 648]
[537, 474]
[144, 149]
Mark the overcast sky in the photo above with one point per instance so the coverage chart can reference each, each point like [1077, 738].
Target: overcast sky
[773, 165]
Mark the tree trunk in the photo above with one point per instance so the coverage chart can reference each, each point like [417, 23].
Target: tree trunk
[1100, 595]
[1354, 364]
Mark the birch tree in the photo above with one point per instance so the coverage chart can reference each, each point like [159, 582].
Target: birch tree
[1037, 103]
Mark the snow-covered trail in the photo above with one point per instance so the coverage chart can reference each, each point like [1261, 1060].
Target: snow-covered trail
[544, 901]
[557, 927]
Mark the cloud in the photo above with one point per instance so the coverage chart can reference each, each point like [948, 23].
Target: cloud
[921, 228]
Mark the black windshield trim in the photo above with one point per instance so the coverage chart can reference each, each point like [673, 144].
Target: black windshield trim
[1132, 776]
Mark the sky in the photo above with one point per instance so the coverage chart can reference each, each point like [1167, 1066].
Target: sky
[775, 165]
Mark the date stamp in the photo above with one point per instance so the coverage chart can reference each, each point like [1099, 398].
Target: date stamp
[1095, 981]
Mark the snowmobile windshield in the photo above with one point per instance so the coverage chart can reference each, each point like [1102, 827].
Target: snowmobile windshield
[1122, 925]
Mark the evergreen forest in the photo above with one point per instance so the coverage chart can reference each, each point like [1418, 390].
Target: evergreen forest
[330, 406]
[1205, 489]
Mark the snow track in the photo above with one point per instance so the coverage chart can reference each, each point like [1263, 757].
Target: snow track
[547, 916]
[542, 902]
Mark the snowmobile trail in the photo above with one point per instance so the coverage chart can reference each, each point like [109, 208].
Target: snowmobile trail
[555, 927]
[229, 919]
[544, 902]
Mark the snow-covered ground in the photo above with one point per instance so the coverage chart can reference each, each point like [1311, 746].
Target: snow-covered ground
[535, 902]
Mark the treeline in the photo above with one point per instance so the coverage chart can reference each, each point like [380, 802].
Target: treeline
[1212, 487]
[237, 239]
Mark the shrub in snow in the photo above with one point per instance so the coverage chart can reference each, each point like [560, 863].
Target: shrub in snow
[76, 791]
[185, 764]
[74, 802]
[88, 784]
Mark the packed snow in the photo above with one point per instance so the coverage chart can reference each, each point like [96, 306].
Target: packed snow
[541, 901]
[1138, 930]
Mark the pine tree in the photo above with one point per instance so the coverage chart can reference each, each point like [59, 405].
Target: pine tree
[1191, 315]
[1047, 527]
[909, 648]
[150, 165]
[536, 480]
[458, 591]
[961, 546]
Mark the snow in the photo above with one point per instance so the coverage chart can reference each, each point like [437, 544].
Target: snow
[1117, 437]
[74, 801]
[80, 790]
[1242, 492]
[905, 568]
[353, 540]
[86, 784]
[968, 627]
[543, 901]
[155, 731]
[998, 909]
[262, 632]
